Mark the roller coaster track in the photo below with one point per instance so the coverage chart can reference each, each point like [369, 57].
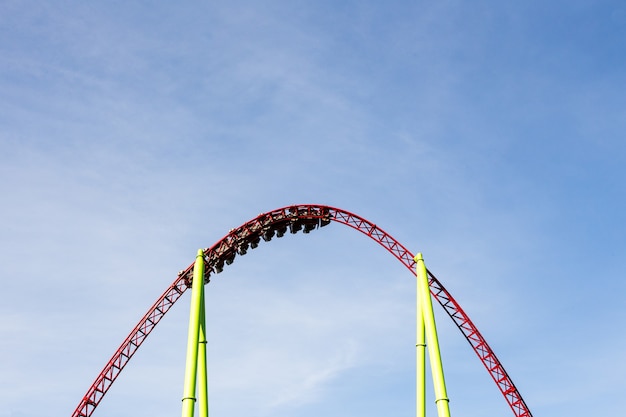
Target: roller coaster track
[276, 223]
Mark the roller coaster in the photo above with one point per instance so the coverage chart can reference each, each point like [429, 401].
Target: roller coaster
[277, 223]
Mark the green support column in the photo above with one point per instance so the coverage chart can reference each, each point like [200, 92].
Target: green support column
[441, 396]
[420, 359]
[191, 366]
[203, 397]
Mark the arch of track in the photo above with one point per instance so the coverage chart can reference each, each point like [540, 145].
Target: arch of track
[305, 218]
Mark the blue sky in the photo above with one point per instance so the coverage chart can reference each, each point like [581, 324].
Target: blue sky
[487, 135]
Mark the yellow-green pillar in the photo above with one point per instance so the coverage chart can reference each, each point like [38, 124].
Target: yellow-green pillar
[420, 359]
[441, 396]
[203, 397]
[195, 313]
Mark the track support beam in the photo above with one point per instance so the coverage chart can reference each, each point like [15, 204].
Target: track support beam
[196, 344]
[425, 310]
[420, 357]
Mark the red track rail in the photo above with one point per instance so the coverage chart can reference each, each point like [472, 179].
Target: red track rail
[265, 226]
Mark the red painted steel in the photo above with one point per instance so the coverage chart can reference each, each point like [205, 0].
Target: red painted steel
[277, 222]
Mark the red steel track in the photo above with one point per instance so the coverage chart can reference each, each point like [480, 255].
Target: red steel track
[277, 222]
